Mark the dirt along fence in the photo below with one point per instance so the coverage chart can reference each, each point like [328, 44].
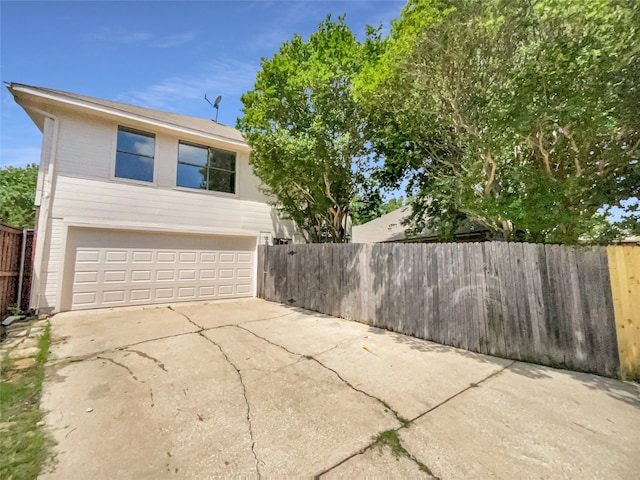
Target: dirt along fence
[15, 268]
[574, 308]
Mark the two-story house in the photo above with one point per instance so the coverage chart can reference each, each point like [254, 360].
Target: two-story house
[138, 206]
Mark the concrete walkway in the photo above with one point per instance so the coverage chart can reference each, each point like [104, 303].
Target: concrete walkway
[255, 389]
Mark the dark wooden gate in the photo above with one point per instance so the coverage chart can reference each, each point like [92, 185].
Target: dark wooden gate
[11, 262]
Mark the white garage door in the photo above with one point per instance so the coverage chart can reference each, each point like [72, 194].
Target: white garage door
[116, 268]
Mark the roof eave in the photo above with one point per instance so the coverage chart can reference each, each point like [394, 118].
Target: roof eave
[13, 88]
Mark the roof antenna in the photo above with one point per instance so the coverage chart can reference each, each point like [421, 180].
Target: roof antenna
[215, 104]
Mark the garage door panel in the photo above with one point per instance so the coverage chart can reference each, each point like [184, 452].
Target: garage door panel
[187, 274]
[140, 294]
[166, 257]
[87, 299]
[164, 293]
[116, 256]
[165, 275]
[226, 273]
[113, 296]
[186, 293]
[142, 257]
[243, 273]
[86, 277]
[208, 258]
[226, 290]
[141, 275]
[114, 276]
[122, 268]
[188, 257]
[244, 258]
[207, 274]
[88, 256]
[208, 291]
[227, 257]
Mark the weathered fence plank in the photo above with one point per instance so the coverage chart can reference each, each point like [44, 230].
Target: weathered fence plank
[419, 277]
[541, 303]
[444, 297]
[478, 271]
[470, 341]
[493, 301]
[430, 293]
[552, 293]
[521, 314]
[507, 292]
[603, 314]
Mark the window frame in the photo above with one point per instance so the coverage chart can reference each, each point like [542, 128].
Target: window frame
[143, 133]
[207, 148]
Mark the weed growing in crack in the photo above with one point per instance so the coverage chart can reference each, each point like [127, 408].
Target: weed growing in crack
[498, 372]
[308, 357]
[391, 439]
[403, 421]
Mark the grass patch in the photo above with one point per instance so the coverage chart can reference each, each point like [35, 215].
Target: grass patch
[23, 444]
[391, 439]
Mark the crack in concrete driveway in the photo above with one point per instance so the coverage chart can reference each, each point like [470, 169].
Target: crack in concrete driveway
[293, 393]
[246, 400]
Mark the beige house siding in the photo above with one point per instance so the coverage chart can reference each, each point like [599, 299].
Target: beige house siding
[84, 146]
[52, 252]
[78, 187]
[87, 148]
[82, 200]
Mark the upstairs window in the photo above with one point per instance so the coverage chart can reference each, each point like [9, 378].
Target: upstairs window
[206, 168]
[134, 156]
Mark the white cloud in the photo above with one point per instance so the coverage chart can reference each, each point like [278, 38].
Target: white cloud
[111, 35]
[175, 40]
[20, 156]
[106, 34]
[225, 77]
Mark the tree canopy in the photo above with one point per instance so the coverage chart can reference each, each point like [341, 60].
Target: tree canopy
[306, 130]
[522, 115]
[17, 195]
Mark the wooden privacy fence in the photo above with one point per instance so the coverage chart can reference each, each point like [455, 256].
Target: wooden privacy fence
[544, 304]
[12, 262]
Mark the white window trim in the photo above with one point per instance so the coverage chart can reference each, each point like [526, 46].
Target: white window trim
[208, 192]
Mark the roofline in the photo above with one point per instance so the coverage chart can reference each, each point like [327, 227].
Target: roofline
[35, 91]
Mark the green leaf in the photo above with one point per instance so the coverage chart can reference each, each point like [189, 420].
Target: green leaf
[17, 195]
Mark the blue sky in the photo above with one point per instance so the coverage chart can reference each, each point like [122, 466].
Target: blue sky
[164, 55]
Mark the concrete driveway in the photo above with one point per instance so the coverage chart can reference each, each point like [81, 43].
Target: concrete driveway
[250, 388]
